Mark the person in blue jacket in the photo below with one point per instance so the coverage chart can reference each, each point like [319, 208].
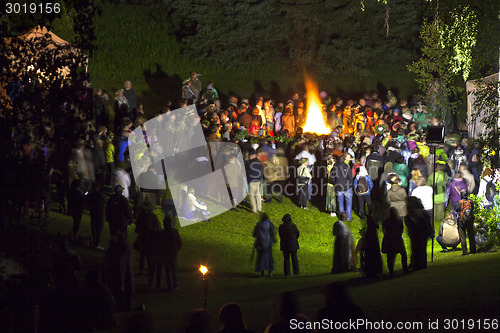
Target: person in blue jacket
[363, 185]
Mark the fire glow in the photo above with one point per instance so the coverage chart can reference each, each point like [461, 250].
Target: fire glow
[315, 121]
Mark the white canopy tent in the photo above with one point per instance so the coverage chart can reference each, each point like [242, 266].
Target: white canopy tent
[476, 127]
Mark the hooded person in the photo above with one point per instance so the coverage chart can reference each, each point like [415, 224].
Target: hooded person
[343, 255]
[289, 244]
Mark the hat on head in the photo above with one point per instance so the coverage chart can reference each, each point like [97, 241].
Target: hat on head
[118, 188]
[287, 218]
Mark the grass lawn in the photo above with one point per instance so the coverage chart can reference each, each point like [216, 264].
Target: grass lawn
[453, 287]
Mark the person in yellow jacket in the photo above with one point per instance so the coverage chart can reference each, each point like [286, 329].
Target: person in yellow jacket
[110, 158]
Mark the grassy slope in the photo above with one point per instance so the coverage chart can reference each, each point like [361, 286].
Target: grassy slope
[452, 286]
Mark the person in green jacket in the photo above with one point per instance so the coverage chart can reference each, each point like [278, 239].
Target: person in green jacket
[402, 170]
[439, 189]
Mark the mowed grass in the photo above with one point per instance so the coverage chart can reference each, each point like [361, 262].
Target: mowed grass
[452, 286]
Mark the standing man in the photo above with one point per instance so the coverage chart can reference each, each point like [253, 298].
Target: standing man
[131, 97]
[169, 243]
[254, 176]
[341, 177]
[76, 199]
[196, 84]
[118, 213]
[465, 211]
[97, 206]
[289, 244]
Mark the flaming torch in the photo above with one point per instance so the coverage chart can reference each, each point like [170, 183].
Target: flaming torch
[315, 121]
[204, 271]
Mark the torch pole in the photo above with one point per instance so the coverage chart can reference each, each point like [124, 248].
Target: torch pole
[205, 284]
[433, 207]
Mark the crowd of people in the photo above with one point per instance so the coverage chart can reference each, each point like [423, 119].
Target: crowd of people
[375, 162]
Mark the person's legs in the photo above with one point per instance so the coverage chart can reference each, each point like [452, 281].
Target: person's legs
[286, 262]
[295, 262]
[77, 218]
[439, 240]
[93, 229]
[348, 198]
[361, 207]
[470, 235]
[303, 195]
[168, 273]
[254, 195]
[340, 196]
[269, 192]
[100, 225]
[404, 260]
[173, 269]
[368, 201]
[258, 197]
[391, 257]
[463, 241]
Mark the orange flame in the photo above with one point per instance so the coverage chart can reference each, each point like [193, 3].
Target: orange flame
[315, 122]
[203, 269]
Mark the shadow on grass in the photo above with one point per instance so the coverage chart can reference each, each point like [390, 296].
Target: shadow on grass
[162, 88]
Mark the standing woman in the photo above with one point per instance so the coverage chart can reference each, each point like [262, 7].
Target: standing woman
[265, 236]
[147, 226]
[392, 243]
[419, 231]
[303, 180]
[331, 196]
[121, 109]
[289, 244]
[76, 199]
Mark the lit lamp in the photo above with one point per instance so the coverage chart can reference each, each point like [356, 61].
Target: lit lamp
[204, 271]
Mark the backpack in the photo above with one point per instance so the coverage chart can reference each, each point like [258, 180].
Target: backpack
[466, 213]
[490, 191]
[362, 186]
[373, 167]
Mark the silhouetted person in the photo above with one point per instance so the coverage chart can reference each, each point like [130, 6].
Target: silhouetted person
[265, 236]
[118, 275]
[97, 304]
[76, 200]
[343, 260]
[118, 213]
[465, 218]
[231, 318]
[198, 321]
[147, 226]
[170, 243]
[64, 264]
[392, 243]
[289, 244]
[96, 202]
[419, 231]
[371, 249]
[339, 307]
[290, 316]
